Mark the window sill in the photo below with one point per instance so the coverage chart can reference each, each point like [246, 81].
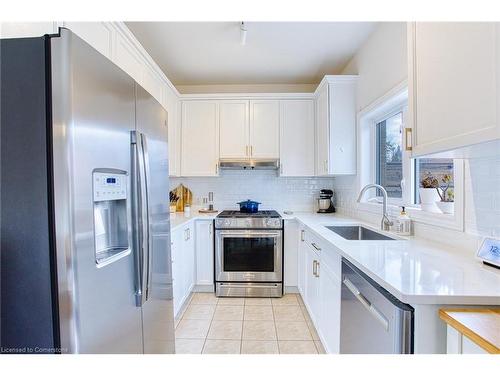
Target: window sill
[447, 221]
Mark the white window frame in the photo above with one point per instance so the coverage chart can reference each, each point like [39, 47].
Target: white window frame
[394, 101]
[397, 108]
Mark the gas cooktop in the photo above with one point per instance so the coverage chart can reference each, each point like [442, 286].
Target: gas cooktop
[238, 214]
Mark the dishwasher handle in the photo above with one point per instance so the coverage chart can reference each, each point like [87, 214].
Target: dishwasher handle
[366, 303]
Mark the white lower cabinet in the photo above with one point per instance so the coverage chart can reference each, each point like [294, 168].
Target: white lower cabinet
[189, 259]
[204, 252]
[183, 261]
[457, 343]
[319, 283]
[329, 319]
[312, 297]
[177, 284]
[290, 253]
[301, 262]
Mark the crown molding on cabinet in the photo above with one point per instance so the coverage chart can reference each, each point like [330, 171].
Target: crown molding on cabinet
[121, 28]
[247, 96]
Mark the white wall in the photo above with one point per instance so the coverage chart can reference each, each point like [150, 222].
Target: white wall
[382, 64]
[278, 193]
[26, 29]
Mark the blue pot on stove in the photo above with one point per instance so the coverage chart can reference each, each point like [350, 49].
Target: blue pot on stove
[249, 206]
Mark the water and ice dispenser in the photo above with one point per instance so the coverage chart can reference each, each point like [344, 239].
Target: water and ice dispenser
[110, 215]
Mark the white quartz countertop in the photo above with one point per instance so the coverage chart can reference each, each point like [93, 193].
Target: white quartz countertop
[414, 270]
[178, 219]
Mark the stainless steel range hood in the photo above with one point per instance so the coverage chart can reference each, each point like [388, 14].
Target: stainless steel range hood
[250, 164]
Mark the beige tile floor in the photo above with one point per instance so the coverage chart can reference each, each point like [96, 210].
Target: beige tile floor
[211, 325]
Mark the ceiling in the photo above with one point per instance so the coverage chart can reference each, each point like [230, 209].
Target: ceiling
[205, 53]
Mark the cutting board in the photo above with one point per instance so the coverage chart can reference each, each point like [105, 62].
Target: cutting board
[185, 197]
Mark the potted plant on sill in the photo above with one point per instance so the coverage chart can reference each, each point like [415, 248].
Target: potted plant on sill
[429, 193]
[447, 195]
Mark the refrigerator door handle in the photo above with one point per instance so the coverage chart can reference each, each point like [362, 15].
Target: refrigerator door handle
[366, 303]
[140, 217]
[136, 216]
[146, 216]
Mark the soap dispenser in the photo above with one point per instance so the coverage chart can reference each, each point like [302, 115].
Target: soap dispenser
[403, 223]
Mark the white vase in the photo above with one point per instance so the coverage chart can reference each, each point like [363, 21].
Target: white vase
[446, 207]
[428, 199]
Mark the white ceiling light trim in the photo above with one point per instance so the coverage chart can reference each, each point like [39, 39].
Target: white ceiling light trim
[243, 33]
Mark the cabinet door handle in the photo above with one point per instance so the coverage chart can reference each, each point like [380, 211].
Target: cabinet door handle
[251, 150]
[302, 235]
[317, 269]
[314, 267]
[408, 139]
[216, 168]
[315, 246]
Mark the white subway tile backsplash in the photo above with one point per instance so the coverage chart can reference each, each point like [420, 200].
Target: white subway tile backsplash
[278, 193]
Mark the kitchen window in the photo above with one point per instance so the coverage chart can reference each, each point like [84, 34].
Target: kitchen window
[437, 167]
[389, 154]
[384, 160]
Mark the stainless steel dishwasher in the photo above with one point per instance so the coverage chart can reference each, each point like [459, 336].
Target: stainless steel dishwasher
[373, 321]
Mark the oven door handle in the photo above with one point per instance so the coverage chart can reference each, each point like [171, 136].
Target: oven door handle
[233, 285]
[248, 233]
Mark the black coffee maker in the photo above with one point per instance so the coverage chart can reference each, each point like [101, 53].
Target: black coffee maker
[325, 203]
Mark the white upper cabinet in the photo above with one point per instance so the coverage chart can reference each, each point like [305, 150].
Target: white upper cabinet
[233, 128]
[454, 75]
[173, 105]
[322, 131]
[297, 138]
[98, 34]
[249, 129]
[336, 126]
[127, 58]
[264, 129]
[200, 138]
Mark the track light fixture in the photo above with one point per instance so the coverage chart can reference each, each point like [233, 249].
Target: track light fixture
[243, 33]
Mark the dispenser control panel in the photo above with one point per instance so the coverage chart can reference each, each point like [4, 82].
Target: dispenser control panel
[109, 186]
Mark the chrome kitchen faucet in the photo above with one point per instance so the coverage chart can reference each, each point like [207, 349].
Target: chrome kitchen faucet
[385, 224]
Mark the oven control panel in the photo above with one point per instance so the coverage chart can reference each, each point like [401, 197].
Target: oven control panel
[248, 222]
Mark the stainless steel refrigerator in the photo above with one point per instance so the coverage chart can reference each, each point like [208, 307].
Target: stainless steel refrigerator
[85, 231]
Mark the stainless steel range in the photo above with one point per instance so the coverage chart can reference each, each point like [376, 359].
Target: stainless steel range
[249, 254]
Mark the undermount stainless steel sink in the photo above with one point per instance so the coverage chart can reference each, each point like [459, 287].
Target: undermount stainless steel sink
[358, 233]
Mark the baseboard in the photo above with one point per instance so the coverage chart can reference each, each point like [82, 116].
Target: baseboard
[204, 288]
[291, 289]
[210, 289]
[185, 303]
